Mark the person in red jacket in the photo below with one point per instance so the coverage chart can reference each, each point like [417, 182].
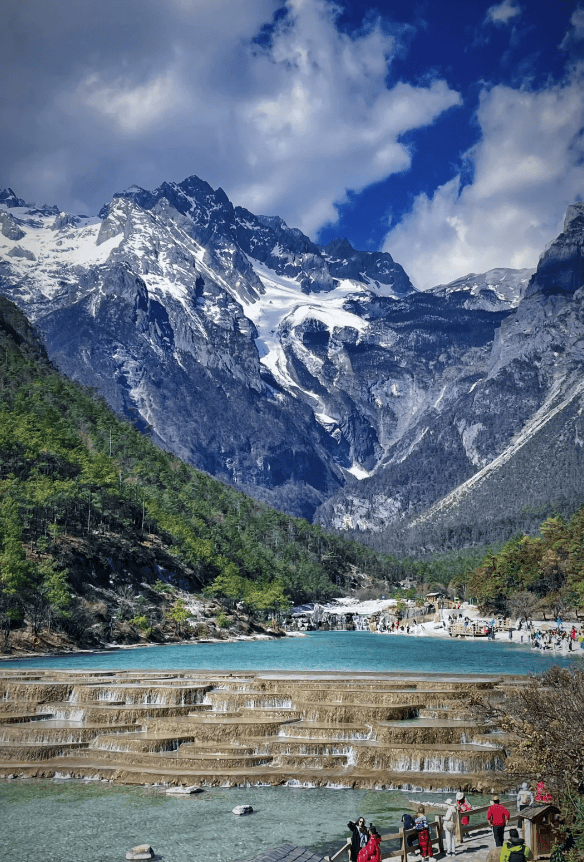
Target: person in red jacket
[371, 851]
[463, 805]
[498, 817]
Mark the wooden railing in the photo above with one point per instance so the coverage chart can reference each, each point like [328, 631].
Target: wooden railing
[436, 833]
[402, 836]
[338, 853]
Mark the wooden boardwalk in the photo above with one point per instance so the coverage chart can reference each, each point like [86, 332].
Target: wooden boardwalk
[288, 853]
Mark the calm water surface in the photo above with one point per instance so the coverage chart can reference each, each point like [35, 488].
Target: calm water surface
[352, 651]
[72, 821]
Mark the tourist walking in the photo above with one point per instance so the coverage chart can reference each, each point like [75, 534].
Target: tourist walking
[371, 851]
[498, 817]
[449, 828]
[424, 839]
[359, 837]
[515, 849]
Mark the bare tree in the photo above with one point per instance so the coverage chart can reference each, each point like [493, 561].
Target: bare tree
[545, 723]
[522, 604]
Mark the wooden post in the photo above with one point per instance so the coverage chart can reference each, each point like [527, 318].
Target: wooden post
[404, 844]
[439, 833]
[458, 826]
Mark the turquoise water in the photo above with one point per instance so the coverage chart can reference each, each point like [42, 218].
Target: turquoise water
[352, 651]
[72, 821]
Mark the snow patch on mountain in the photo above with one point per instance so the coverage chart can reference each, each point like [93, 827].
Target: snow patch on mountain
[50, 251]
[284, 306]
[500, 287]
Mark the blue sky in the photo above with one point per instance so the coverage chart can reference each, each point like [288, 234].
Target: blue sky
[447, 132]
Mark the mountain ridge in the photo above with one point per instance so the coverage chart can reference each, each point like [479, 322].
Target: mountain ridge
[314, 378]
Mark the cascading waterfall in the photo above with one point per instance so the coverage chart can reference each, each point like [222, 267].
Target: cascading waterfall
[65, 714]
[351, 758]
[249, 731]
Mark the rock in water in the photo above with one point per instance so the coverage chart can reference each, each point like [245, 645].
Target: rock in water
[243, 809]
[183, 791]
[141, 851]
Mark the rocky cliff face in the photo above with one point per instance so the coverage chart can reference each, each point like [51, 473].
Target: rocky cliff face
[312, 377]
[501, 445]
[561, 267]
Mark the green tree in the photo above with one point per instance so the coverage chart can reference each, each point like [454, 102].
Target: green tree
[223, 620]
[179, 614]
[15, 570]
[54, 587]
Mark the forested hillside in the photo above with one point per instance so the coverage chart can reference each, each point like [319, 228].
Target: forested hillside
[91, 511]
[534, 574]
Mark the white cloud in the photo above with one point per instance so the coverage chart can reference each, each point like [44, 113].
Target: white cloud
[577, 21]
[331, 123]
[503, 13]
[156, 90]
[528, 167]
[134, 108]
[576, 32]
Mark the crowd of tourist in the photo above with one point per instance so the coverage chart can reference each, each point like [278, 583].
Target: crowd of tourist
[365, 841]
[557, 638]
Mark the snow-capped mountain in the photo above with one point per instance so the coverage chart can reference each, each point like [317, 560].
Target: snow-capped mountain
[312, 377]
[491, 291]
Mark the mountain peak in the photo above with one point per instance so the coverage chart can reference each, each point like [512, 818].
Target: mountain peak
[339, 248]
[9, 199]
[573, 213]
[561, 266]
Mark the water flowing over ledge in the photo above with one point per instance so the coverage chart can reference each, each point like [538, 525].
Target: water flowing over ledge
[229, 728]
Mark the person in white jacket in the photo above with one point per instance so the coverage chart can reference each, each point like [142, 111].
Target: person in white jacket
[449, 828]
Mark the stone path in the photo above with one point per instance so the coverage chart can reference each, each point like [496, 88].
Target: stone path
[476, 847]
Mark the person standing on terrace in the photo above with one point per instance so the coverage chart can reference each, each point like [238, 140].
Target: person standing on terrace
[515, 849]
[371, 851]
[424, 839]
[463, 805]
[450, 828]
[524, 800]
[359, 837]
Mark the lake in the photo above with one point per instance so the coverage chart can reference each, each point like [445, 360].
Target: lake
[348, 651]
